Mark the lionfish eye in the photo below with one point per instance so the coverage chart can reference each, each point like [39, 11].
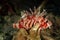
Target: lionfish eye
[46, 21]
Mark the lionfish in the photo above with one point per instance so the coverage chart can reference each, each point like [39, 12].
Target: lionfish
[29, 20]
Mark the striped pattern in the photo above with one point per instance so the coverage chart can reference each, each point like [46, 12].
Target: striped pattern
[29, 21]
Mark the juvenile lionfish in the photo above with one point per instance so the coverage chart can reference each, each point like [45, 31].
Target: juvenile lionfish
[29, 20]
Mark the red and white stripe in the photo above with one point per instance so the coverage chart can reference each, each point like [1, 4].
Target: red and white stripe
[28, 21]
